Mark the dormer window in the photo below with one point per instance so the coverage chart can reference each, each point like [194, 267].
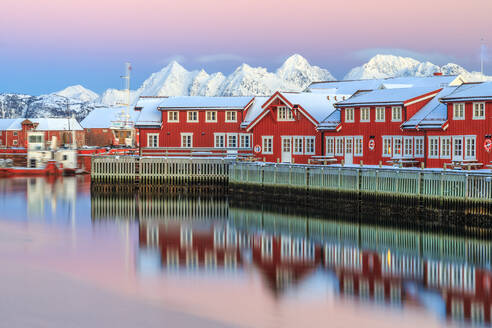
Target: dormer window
[284, 114]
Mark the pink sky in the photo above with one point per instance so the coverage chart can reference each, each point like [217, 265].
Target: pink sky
[335, 35]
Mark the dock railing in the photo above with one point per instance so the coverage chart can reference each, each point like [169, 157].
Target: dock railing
[433, 183]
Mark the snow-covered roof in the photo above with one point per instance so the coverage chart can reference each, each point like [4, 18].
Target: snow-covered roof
[386, 96]
[343, 87]
[469, 92]
[316, 104]
[43, 124]
[103, 117]
[432, 115]
[202, 102]
[148, 114]
[254, 110]
[331, 122]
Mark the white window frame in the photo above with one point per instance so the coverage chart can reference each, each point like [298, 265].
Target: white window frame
[387, 150]
[264, 149]
[235, 136]
[349, 115]
[419, 147]
[466, 155]
[307, 145]
[394, 111]
[209, 119]
[396, 140]
[230, 116]
[359, 146]
[433, 153]
[242, 140]
[216, 135]
[379, 117]
[284, 113]
[170, 117]
[151, 144]
[445, 146]
[459, 108]
[407, 151]
[329, 150]
[481, 108]
[339, 146]
[190, 119]
[187, 134]
[365, 111]
[297, 145]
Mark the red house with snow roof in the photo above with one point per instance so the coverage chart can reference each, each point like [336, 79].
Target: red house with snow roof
[209, 124]
[285, 128]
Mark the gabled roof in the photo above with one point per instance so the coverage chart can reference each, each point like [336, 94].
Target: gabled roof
[399, 96]
[254, 111]
[331, 122]
[347, 88]
[42, 124]
[202, 102]
[314, 106]
[470, 92]
[433, 115]
[103, 117]
[147, 113]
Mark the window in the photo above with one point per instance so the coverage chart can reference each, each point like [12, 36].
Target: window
[231, 116]
[458, 111]
[310, 145]
[358, 146]
[330, 146]
[219, 140]
[232, 140]
[397, 147]
[365, 114]
[386, 146]
[477, 312]
[284, 114]
[186, 140]
[457, 148]
[35, 139]
[470, 147]
[298, 145]
[153, 140]
[457, 309]
[339, 146]
[396, 114]
[433, 147]
[192, 116]
[267, 144]
[408, 146]
[419, 146]
[15, 142]
[478, 111]
[15, 133]
[211, 116]
[380, 111]
[245, 140]
[349, 115]
[445, 147]
[173, 116]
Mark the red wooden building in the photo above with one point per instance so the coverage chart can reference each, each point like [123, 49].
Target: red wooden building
[40, 132]
[285, 128]
[195, 123]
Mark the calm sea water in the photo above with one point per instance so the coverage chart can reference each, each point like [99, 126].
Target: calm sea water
[72, 259]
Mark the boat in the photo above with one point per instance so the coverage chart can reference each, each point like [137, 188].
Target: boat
[52, 168]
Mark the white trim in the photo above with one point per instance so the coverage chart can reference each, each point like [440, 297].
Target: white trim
[297, 139]
[339, 141]
[349, 110]
[359, 141]
[365, 109]
[265, 105]
[460, 118]
[231, 120]
[429, 146]
[188, 116]
[148, 140]
[229, 135]
[263, 139]
[445, 140]
[393, 116]
[390, 145]
[473, 111]
[465, 147]
[384, 114]
[288, 112]
[258, 119]
[420, 99]
[394, 148]
[306, 145]
[169, 114]
[328, 153]
[422, 140]
[408, 141]
[242, 137]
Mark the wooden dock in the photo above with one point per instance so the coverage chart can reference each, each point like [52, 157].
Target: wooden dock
[407, 182]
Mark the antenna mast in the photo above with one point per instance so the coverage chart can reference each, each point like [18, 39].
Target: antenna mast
[482, 53]
[125, 113]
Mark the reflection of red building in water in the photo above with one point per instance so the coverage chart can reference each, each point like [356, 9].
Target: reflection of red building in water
[193, 245]
[284, 259]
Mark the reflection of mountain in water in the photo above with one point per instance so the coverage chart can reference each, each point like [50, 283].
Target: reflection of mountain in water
[447, 274]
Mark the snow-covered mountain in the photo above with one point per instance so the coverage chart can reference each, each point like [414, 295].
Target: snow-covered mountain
[174, 80]
[77, 92]
[383, 66]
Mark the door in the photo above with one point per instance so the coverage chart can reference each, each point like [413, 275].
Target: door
[457, 148]
[349, 150]
[286, 149]
[397, 147]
